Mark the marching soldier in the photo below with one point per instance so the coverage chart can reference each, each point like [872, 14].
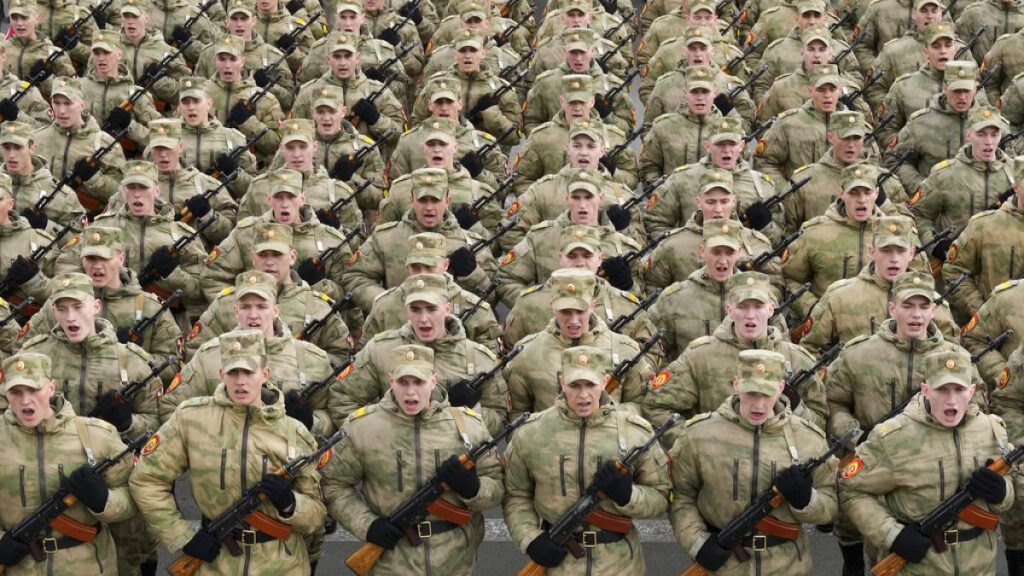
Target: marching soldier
[143, 48]
[32, 48]
[274, 22]
[31, 109]
[31, 180]
[383, 22]
[903, 55]
[1006, 402]
[996, 315]
[23, 276]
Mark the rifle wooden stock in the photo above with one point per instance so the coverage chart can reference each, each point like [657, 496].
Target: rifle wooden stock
[532, 569]
[364, 559]
[611, 522]
[450, 512]
[268, 525]
[695, 570]
[185, 565]
[71, 527]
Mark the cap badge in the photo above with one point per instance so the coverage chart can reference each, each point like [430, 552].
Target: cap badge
[916, 280]
[410, 356]
[750, 281]
[65, 283]
[20, 366]
[95, 237]
[570, 288]
[419, 246]
[236, 346]
[759, 369]
[725, 229]
[420, 284]
[582, 360]
[893, 228]
[950, 364]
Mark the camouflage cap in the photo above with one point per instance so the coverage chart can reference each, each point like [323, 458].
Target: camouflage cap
[134, 7]
[330, 96]
[273, 236]
[101, 241]
[285, 180]
[430, 288]
[937, 30]
[256, 282]
[6, 184]
[346, 6]
[859, 176]
[106, 40]
[14, 132]
[245, 349]
[472, 9]
[585, 363]
[948, 367]
[919, 4]
[825, 74]
[847, 123]
[983, 117]
[892, 231]
[961, 75]
[713, 178]
[578, 39]
[584, 179]
[427, 248]
[431, 182]
[444, 87]
[192, 87]
[749, 286]
[298, 129]
[589, 128]
[345, 42]
[913, 283]
[467, 38]
[804, 6]
[699, 35]
[66, 87]
[727, 128]
[722, 232]
[585, 6]
[573, 287]
[164, 132]
[74, 285]
[577, 87]
[443, 129]
[698, 5]
[761, 372]
[412, 360]
[229, 44]
[700, 77]
[25, 369]
[139, 172]
[819, 33]
[244, 6]
[23, 7]
[577, 236]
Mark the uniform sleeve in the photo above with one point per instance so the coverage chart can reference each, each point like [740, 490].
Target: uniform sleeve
[860, 492]
[775, 153]
[151, 483]
[797, 269]
[651, 486]
[665, 210]
[813, 406]
[494, 396]
[520, 394]
[343, 473]
[360, 388]
[989, 324]
[634, 386]
[309, 513]
[120, 505]
[364, 277]
[517, 505]
[839, 390]
[927, 208]
[517, 272]
[689, 527]
[671, 392]
[964, 256]
[824, 504]
[144, 404]
[822, 333]
[907, 172]
[224, 267]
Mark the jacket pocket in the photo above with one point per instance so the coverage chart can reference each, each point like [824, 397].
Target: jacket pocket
[223, 468]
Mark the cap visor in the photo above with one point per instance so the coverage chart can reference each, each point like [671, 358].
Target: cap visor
[569, 303]
[423, 259]
[249, 363]
[901, 241]
[574, 374]
[752, 294]
[716, 241]
[100, 251]
[726, 136]
[279, 247]
[257, 290]
[963, 84]
[425, 296]
[12, 381]
[759, 386]
[909, 293]
[421, 371]
[574, 245]
[78, 295]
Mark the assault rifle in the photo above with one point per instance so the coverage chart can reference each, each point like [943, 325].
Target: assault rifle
[37, 256]
[338, 373]
[776, 199]
[225, 179]
[314, 326]
[777, 251]
[794, 382]
[969, 46]
[620, 371]
[128, 392]
[623, 320]
[135, 331]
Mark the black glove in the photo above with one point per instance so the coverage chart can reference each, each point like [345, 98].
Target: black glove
[500, 39]
[163, 261]
[724, 104]
[366, 110]
[758, 215]
[100, 18]
[462, 262]
[609, 6]
[294, 6]
[412, 12]
[262, 77]
[712, 556]
[374, 73]
[22, 270]
[461, 394]
[617, 272]
[110, 409]
[986, 484]
[239, 114]
[384, 534]
[225, 165]
[545, 552]
[11, 550]
[198, 206]
[345, 167]
[83, 170]
[180, 36]
[1006, 195]
[67, 38]
[328, 218]
[89, 487]
[472, 163]
[279, 492]
[940, 249]
[795, 486]
[483, 103]
[615, 485]
[619, 216]
[37, 219]
[203, 546]
[285, 42]
[150, 73]
[609, 164]
[118, 119]
[602, 105]
[793, 395]
[390, 36]
[124, 336]
[296, 408]
[464, 214]
[310, 272]
[911, 545]
[40, 69]
[8, 110]
[464, 482]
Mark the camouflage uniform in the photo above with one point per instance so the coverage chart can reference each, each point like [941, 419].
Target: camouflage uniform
[669, 55]
[666, 93]
[18, 237]
[257, 54]
[408, 154]
[462, 187]
[898, 57]
[377, 21]
[372, 53]
[152, 48]
[268, 113]
[551, 53]
[1006, 403]
[22, 55]
[272, 26]
[995, 16]
[783, 55]
[39, 182]
[472, 87]
[882, 21]
[32, 108]
[1007, 50]
[1000, 312]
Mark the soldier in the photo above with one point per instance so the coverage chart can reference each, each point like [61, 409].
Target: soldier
[42, 418]
[679, 22]
[264, 443]
[23, 277]
[712, 487]
[1006, 51]
[473, 15]
[385, 23]
[905, 54]
[995, 17]
[888, 487]
[998, 314]
[540, 482]
[32, 104]
[880, 23]
[32, 181]
[298, 304]
[456, 359]
[32, 48]
[1005, 400]
[552, 39]
[143, 48]
[170, 19]
[275, 23]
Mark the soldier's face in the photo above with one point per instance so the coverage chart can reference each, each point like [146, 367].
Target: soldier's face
[939, 52]
[574, 323]
[328, 120]
[229, 67]
[859, 203]
[286, 206]
[699, 100]
[720, 261]
[6, 206]
[429, 211]
[576, 18]
[984, 143]
[240, 24]
[750, 318]
[756, 408]
[890, 261]
[585, 152]
[24, 26]
[274, 263]
[699, 53]
[815, 53]
[703, 18]
[141, 199]
[825, 97]
[724, 154]
[372, 5]
[716, 203]
[445, 108]
[348, 21]
[421, 268]
[583, 396]
[809, 19]
[848, 149]
[167, 159]
[29, 405]
[912, 316]
[343, 63]
[577, 109]
[468, 59]
[584, 207]
[948, 403]
[959, 100]
[18, 159]
[298, 155]
[134, 26]
[255, 313]
[267, 5]
[440, 154]
[195, 111]
[103, 271]
[925, 16]
[427, 319]
[411, 393]
[579, 60]
[243, 387]
[580, 258]
[76, 318]
[67, 113]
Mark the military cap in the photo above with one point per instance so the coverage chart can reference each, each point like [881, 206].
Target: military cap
[761, 372]
[256, 282]
[229, 44]
[698, 5]
[825, 74]
[722, 232]
[589, 128]
[819, 33]
[67, 87]
[578, 39]
[713, 178]
[584, 6]
[960, 74]
[6, 185]
[427, 248]
[576, 236]
[948, 367]
[805, 6]
[574, 288]
[236, 6]
[74, 285]
[846, 123]
[577, 87]
[298, 129]
[584, 179]
[346, 6]
[273, 236]
[919, 4]
[585, 363]
[164, 132]
[347, 42]
[14, 132]
[749, 286]
[937, 30]
[892, 231]
[467, 38]
[135, 7]
[285, 180]
[106, 40]
[192, 87]
[700, 77]
[25, 369]
[245, 349]
[430, 288]
[101, 241]
[431, 182]
[444, 87]
[726, 128]
[859, 176]
[984, 116]
[330, 96]
[139, 172]
[472, 9]
[23, 7]
[443, 129]
[913, 283]
[699, 35]
[412, 360]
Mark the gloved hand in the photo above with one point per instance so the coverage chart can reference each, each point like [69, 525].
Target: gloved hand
[463, 482]
[911, 545]
[880, 199]
[89, 487]
[545, 552]
[793, 395]
[940, 249]
[285, 42]
[36, 218]
[225, 165]
[460, 394]
[262, 77]
[366, 110]
[11, 551]
[758, 215]
[609, 6]
[617, 272]
[180, 36]
[203, 546]
[198, 206]
[345, 167]
[384, 534]
[296, 408]
[724, 104]
[163, 261]
[83, 170]
[1006, 195]
[472, 163]
[464, 214]
[328, 218]
[609, 164]
[499, 39]
[374, 73]
[412, 12]
[67, 38]
[239, 114]
[390, 36]
[109, 409]
[483, 103]
[150, 73]
[279, 492]
[603, 105]
[795, 486]
[712, 556]
[8, 110]
[616, 486]
[101, 19]
[310, 272]
[461, 262]
[118, 120]
[22, 270]
[986, 484]
[619, 216]
[124, 336]
[40, 69]
[294, 6]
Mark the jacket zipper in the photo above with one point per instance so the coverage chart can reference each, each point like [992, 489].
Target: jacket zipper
[142, 244]
[419, 482]
[753, 486]
[910, 371]
[580, 472]
[64, 159]
[245, 450]
[83, 369]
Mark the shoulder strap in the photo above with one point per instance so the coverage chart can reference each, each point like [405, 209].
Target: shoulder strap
[83, 435]
[300, 360]
[606, 302]
[140, 302]
[122, 361]
[470, 353]
[620, 431]
[787, 432]
[460, 424]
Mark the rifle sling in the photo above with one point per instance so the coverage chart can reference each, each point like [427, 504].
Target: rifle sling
[50, 545]
[587, 539]
[246, 535]
[415, 533]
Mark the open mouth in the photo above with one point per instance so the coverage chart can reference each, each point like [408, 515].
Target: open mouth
[755, 415]
[254, 325]
[284, 215]
[425, 331]
[861, 211]
[28, 413]
[950, 413]
[915, 325]
[98, 276]
[893, 271]
[73, 330]
[411, 405]
[436, 158]
[727, 159]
